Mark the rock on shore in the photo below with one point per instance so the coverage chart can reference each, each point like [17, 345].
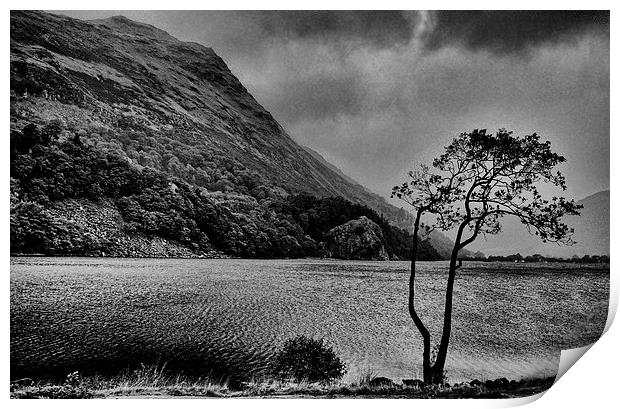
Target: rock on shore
[359, 239]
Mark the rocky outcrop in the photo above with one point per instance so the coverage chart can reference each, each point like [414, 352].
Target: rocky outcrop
[360, 239]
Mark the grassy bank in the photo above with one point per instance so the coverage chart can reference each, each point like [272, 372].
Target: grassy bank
[156, 382]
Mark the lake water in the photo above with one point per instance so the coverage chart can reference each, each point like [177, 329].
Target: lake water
[229, 316]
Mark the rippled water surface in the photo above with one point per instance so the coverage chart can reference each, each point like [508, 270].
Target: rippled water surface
[229, 316]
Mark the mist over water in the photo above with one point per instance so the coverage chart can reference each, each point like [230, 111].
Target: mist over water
[227, 317]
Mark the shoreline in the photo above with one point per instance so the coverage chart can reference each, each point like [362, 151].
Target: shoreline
[227, 257]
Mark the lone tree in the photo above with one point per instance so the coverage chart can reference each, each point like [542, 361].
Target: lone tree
[477, 180]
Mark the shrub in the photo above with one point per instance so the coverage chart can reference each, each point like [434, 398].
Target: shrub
[307, 359]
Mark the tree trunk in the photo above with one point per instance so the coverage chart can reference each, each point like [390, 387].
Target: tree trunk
[426, 337]
[437, 370]
[434, 373]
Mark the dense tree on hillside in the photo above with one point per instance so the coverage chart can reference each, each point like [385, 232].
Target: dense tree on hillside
[479, 179]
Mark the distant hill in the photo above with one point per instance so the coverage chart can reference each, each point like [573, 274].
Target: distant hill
[444, 245]
[591, 234]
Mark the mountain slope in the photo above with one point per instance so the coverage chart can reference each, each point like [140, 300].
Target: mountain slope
[160, 134]
[591, 233]
[116, 73]
[324, 162]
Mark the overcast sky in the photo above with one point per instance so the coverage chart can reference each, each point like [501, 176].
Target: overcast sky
[378, 92]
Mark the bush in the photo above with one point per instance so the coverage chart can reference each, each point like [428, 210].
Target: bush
[307, 359]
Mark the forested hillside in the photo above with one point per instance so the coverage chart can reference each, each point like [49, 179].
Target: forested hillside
[51, 166]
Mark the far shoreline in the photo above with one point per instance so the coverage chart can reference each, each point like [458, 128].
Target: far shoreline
[225, 257]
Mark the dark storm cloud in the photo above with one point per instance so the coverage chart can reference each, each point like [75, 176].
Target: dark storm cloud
[380, 29]
[507, 32]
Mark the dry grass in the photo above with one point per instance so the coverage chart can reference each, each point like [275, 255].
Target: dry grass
[365, 377]
[155, 381]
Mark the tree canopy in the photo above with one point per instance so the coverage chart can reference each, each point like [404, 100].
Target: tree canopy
[482, 177]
